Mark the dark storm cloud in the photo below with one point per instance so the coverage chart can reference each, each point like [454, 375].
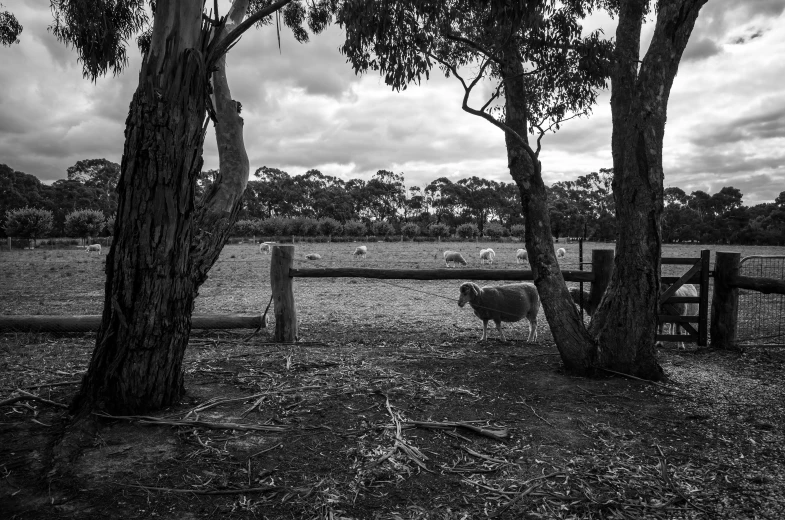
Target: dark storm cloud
[767, 124]
[718, 16]
[304, 107]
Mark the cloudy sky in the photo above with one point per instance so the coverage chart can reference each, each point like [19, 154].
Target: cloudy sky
[305, 108]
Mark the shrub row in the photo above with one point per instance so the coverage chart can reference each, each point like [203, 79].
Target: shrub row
[328, 227]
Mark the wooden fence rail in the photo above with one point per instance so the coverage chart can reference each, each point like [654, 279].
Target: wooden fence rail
[91, 322]
[281, 273]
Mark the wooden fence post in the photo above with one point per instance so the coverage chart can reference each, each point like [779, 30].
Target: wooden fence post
[602, 267]
[281, 261]
[725, 301]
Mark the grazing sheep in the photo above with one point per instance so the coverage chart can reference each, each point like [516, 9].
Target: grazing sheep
[93, 247]
[487, 255]
[264, 247]
[313, 256]
[561, 253]
[361, 251]
[521, 254]
[683, 309]
[588, 308]
[454, 257]
[500, 303]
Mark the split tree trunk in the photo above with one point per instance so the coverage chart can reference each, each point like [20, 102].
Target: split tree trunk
[626, 322]
[573, 341]
[163, 247]
[136, 364]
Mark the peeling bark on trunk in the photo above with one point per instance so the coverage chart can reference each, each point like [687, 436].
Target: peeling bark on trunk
[163, 246]
[625, 323]
[573, 341]
[221, 203]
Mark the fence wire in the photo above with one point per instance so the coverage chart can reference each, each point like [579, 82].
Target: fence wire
[761, 316]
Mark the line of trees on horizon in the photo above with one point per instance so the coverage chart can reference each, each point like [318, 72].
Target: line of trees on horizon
[276, 203]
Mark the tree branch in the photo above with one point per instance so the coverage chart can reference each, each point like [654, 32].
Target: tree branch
[219, 48]
[474, 45]
[220, 204]
[480, 113]
[538, 126]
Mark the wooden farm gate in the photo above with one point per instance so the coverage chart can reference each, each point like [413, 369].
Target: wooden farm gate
[697, 327]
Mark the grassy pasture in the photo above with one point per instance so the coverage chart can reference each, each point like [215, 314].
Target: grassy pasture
[71, 282]
[707, 443]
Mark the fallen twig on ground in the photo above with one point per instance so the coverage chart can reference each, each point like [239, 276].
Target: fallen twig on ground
[494, 433]
[142, 419]
[50, 385]
[27, 396]
[265, 489]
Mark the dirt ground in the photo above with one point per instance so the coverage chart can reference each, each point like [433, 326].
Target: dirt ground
[389, 408]
[366, 427]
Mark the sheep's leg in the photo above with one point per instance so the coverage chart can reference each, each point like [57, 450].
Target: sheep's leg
[484, 330]
[532, 330]
[499, 328]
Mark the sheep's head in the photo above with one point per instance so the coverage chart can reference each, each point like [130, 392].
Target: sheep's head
[576, 297]
[469, 291]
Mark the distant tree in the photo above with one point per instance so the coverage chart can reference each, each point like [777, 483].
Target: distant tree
[30, 223]
[330, 227]
[19, 189]
[415, 203]
[479, 198]
[494, 230]
[518, 230]
[410, 230]
[276, 226]
[441, 195]
[439, 230]
[304, 226]
[355, 228]
[382, 228]
[84, 223]
[386, 194]
[245, 228]
[101, 175]
[110, 225]
[467, 231]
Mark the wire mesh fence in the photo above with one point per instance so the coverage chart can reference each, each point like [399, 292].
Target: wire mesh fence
[762, 316]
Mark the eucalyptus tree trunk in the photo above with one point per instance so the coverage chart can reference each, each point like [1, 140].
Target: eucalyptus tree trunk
[163, 246]
[573, 341]
[625, 324]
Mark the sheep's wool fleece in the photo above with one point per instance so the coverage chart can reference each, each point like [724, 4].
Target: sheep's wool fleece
[507, 302]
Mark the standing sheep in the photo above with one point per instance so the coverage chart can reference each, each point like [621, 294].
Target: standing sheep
[454, 257]
[521, 255]
[93, 247]
[361, 251]
[487, 255]
[561, 253]
[588, 308]
[683, 309]
[264, 247]
[500, 303]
